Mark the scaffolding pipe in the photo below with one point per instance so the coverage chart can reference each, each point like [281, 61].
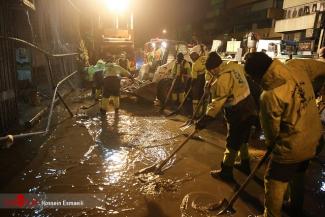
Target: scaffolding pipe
[35, 47]
[23, 135]
[40, 114]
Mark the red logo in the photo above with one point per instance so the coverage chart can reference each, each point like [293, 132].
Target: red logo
[20, 202]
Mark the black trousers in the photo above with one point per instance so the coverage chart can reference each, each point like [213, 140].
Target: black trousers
[111, 86]
[198, 87]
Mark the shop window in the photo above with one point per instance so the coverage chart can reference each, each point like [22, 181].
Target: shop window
[294, 13]
[288, 14]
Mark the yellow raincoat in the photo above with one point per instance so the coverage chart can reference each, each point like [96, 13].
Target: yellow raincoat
[288, 111]
[198, 67]
[229, 88]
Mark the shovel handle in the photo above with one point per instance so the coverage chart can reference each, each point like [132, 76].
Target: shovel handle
[186, 95]
[181, 105]
[169, 93]
[198, 107]
[242, 187]
[162, 164]
[202, 98]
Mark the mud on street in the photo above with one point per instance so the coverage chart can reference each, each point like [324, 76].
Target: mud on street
[96, 154]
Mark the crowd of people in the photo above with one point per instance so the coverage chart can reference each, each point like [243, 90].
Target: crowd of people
[285, 106]
[288, 115]
[106, 80]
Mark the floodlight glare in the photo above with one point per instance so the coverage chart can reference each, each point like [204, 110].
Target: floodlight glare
[117, 5]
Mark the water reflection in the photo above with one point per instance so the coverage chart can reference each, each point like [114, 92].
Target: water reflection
[115, 165]
[119, 146]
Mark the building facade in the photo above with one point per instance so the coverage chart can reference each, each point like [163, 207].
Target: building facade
[303, 25]
[235, 18]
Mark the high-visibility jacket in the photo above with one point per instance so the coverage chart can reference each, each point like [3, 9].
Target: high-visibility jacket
[158, 54]
[181, 69]
[124, 63]
[229, 88]
[313, 68]
[91, 70]
[198, 67]
[288, 111]
[113, 69]
[208, 76]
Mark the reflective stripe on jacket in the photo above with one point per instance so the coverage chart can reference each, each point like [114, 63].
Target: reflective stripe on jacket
[198, 67]
[229, 88]
[177, 69]
[113, 69]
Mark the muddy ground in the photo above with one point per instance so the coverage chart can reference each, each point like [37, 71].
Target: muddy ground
[96, 154]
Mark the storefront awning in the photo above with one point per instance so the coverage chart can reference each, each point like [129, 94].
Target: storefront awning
[296, 24]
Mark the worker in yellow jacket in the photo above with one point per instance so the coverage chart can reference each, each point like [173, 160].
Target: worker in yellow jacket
[291, 123]
[198, 78]
[111, 86]
[231, 93]
[181, 72]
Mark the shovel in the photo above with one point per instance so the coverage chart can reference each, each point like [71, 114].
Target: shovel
[181, 105]
[156, 168]
[188, 123]
[84, 107]
[169, 93]
[225, 206]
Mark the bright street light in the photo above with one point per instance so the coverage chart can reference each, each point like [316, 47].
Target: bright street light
[164, 44]
[117, 5]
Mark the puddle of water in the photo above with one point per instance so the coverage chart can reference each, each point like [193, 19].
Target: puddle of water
[119, 148]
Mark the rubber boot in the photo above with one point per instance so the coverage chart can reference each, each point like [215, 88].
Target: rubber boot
[225, 173]
[243, 166]
[103, 106]
[116, 103]
[181, 97]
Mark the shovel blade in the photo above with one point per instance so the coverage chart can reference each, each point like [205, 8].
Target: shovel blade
[173, 113]
[185, 127]
[148, 169]
[228, 211]
[222, 208]
[217, 207]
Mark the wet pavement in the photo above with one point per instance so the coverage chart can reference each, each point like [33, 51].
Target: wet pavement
[96, 154]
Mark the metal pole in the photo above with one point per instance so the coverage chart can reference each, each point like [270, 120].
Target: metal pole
[33, 46]
[50, 114]
[65, 73]
[52, 82]
[53, 99]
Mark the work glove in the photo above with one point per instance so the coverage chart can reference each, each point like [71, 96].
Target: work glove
[269, 145]
[203, 122]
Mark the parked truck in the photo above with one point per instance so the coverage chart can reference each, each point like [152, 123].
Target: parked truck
[113, 31]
